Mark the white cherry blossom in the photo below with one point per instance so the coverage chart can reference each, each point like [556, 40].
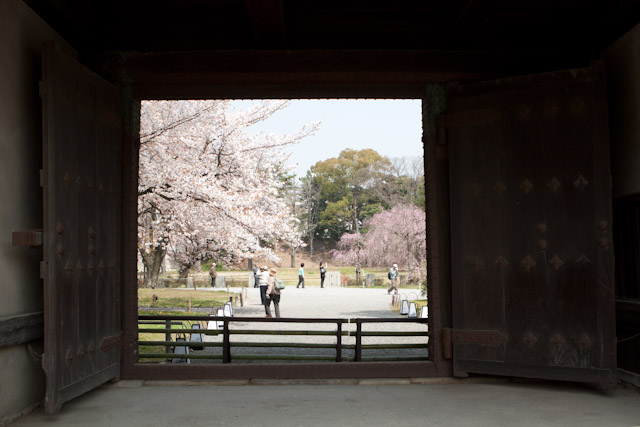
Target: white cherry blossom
[207, 187]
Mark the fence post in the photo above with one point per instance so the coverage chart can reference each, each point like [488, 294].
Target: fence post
[339, 343]
[167, 337]
[226, 347]
[358, 355]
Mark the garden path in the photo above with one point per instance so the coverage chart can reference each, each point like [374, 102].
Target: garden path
[324, 303]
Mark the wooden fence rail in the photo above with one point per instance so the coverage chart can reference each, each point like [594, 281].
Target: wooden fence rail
[172, 325]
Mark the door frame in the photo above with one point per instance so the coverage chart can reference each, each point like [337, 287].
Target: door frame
[433, 97]
[311, 75]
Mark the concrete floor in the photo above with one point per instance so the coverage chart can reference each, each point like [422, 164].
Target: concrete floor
[341, 403]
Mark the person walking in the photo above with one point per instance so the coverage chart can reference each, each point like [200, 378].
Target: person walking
[323, 272]
[393, 276]
[301, 276]
[273, 294]
[263, 282]
[213, 274]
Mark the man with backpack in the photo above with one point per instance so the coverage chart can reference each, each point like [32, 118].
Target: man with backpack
[274, 290]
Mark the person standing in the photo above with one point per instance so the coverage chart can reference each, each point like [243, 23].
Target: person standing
[273, 294]
[213, 274]
[393, 276]
[263, 282]
[256, 272]
[301, 276]
[323, 272]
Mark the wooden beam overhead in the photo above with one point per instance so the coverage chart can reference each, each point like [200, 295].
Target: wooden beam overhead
[474, 16]
[274, 74]
[267, 22]
[455, 25]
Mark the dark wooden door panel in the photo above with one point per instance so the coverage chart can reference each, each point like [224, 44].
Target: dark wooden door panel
[530, 209]
[482, 268]
[81, 237]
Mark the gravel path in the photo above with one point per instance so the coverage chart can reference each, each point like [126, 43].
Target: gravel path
[325, 303]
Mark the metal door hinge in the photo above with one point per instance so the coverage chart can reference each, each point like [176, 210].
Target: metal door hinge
[483, 337]
[468, 336]
[114, 341]
[30, 238]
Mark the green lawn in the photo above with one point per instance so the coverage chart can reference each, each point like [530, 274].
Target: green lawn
[178, 299]
[161, 335]
[168, 297]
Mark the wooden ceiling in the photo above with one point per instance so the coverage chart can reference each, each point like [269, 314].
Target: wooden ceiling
[574, 27]
[177, 49]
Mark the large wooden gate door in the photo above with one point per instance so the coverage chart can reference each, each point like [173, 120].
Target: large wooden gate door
[532, 258]
[81, 236]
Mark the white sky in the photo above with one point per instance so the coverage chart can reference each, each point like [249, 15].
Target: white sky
[391, 127]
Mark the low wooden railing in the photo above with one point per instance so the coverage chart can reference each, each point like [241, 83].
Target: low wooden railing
[173, 326]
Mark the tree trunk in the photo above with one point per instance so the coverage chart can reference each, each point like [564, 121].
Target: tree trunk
[183, 272]
[356, 229]
[152, 262]
[293, 258]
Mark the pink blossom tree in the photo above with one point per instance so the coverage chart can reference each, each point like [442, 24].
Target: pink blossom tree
[394, 236]
[351, 251]
[207, 187]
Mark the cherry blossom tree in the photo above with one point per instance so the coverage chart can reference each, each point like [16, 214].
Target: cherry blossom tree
[351, 251]
[207, 187]
[394, 236]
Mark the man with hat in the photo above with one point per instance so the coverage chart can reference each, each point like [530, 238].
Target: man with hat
[273, 294]
[263, 282]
